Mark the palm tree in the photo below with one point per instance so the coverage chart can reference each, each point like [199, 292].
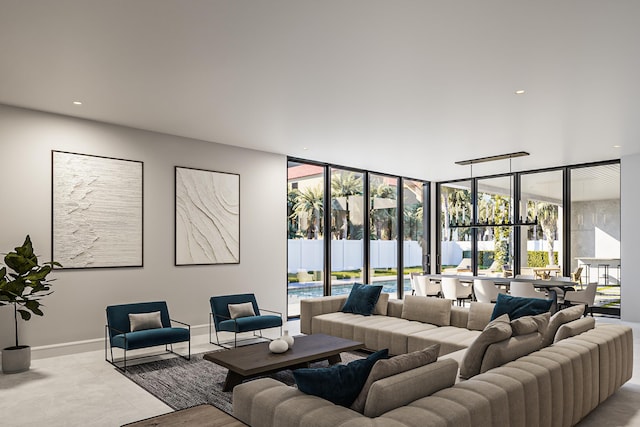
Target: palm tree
[309, 203]
[343, 184]
[292, 217]
[382, 220]
[548, 217]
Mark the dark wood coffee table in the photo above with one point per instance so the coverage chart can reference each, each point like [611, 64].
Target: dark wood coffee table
[256, 359]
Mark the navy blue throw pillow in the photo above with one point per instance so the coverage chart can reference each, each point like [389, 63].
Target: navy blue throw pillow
[339, 384]
[362, 299]
[517, 307]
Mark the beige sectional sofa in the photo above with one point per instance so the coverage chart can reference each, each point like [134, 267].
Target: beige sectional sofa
[525, 380]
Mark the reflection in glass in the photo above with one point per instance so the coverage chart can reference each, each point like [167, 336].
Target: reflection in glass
[495, 244]
[415, 246]
[455, 245]
[383, 230]
[347, 230]
[595, 231]
[542, 245]
[305, 229]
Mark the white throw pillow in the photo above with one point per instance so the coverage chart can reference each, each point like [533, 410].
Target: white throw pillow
[142, 321]
[241, 310]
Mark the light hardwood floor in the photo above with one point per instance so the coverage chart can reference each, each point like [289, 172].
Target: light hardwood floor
[84, 390]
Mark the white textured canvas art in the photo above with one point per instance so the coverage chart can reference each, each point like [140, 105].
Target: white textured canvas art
[207, 217]
[97, 211]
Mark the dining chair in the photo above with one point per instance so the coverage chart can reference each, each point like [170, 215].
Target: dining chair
[486, 290]
[586, 296]
[454, 290]
[525, 290]
[426, 287]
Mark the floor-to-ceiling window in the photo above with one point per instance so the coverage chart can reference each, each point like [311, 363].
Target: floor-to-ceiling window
[305, 223]
[595, 231]
[494, 243]
[541, 203]
[456, 210]
[571, 217]
[347, 229]
[345, 226]
[383, 232]
[415, 239]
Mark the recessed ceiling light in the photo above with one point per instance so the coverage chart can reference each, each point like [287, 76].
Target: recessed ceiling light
[305, 148]
[77, 103]
[617, 146]
[520, 92]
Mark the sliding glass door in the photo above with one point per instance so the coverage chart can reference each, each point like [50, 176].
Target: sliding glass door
[347, 229]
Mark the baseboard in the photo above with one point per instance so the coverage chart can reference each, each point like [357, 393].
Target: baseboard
[73, 347]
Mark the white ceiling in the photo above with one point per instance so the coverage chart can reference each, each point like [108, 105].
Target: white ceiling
[404, 86]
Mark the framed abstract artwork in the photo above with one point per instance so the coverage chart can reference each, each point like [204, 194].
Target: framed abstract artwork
[207, 229]
[97, 211]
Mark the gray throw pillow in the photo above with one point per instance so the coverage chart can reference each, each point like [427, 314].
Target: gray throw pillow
[387, 367]
[530, 324]
[559, 319]
[479, 315]
[142, 321]
[499, 329]
[436, 311]
[381, 305]
[241, 310]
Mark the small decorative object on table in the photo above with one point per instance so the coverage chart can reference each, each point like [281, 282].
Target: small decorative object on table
[278, 346]
[287, 338]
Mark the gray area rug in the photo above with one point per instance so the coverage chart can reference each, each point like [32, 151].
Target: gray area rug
[184, 383]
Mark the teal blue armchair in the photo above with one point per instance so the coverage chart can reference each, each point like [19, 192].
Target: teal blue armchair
[141, 325]
[222, 320]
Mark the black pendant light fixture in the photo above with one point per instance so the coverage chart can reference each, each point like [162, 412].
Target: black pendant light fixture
[487, 223]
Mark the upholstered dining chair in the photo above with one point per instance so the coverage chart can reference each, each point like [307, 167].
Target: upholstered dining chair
[454, 290]
[525, 290]
[586, 296]
[426, 287]
[486, 290]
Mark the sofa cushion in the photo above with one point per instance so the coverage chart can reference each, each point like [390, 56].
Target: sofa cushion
[436, 311]
[499, 353]
[401, 389]
[560, 318]
[339, 384]
[381, 305]
[497, 330]
[244, 309]
[574, 328]
[142, 321]
[479, 315]
[517, 306]
[362, 299]
[529, 324]
[386, 367]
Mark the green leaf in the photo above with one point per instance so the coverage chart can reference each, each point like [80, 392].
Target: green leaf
[24, 314]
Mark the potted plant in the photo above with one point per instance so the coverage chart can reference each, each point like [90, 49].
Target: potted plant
[24, 287]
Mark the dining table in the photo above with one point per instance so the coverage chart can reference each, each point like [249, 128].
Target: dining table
[550, 285]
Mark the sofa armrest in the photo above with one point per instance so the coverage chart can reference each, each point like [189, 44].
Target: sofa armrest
[401, 389]
[316, 306]
[266, 402]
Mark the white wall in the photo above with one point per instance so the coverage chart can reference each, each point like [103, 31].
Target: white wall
[76, 310]
[630, 241]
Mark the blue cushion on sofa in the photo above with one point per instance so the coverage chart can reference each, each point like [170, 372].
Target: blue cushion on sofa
[339, 384]
[517, 307]
[362, 299]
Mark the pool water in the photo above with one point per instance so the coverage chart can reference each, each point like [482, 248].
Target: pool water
[298, 291]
